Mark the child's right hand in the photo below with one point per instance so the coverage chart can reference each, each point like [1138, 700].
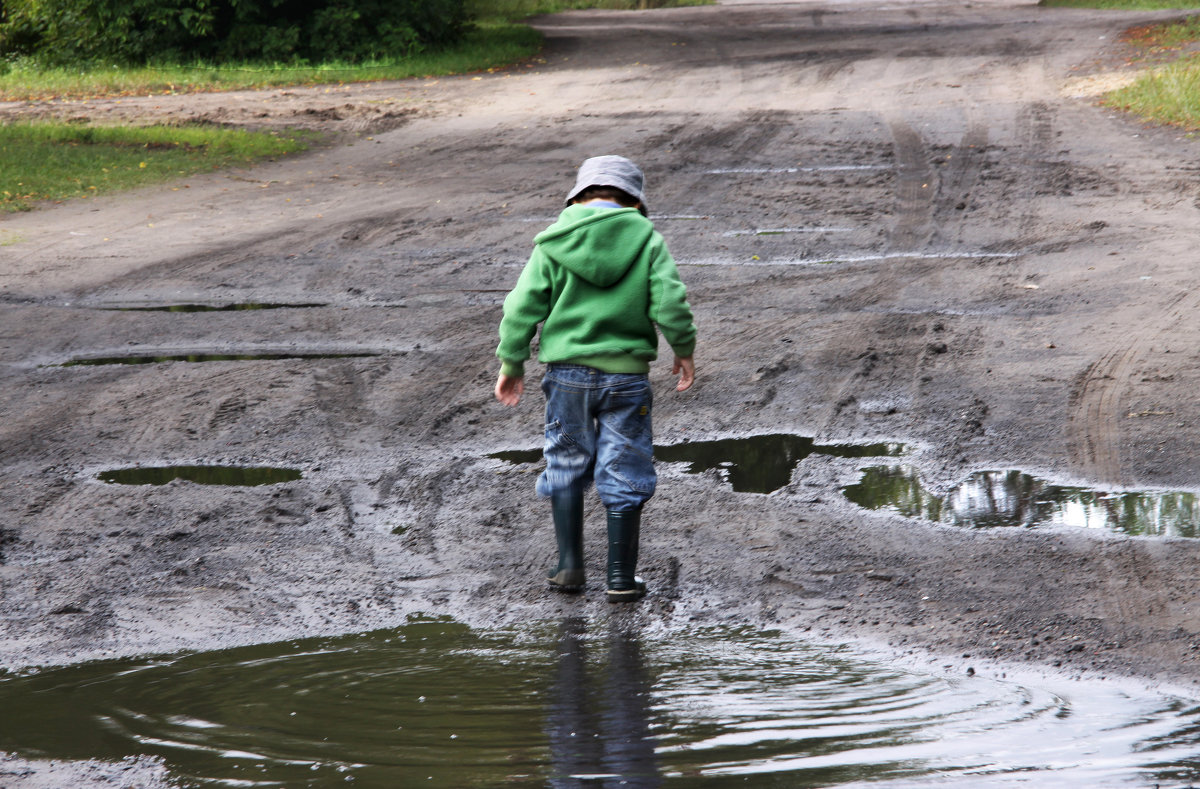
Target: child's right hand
[509, 389]
[685, 368]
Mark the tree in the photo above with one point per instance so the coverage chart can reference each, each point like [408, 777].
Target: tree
[136, 32]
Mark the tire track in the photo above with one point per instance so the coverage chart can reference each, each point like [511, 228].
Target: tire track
[1094, 426]
[740, 141]
[916, 186]
[958, 182]
[927, 209]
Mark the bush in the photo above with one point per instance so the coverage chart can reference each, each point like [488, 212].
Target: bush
[137, 32]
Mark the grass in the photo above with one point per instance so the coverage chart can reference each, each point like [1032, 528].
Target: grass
[1170, 95]
[56, 161]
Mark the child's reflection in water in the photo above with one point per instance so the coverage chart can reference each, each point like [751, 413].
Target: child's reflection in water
[597, 719]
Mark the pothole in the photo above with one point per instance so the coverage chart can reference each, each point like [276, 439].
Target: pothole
[236, 307]
[750, 464]
[991, 499]
[88, 361]
[434, 703]
[241, 476]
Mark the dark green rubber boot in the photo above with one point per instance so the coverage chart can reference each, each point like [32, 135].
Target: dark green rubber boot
[623, 585]
[568, 529]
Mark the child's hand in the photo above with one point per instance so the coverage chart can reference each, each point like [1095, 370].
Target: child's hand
[509, 389]
[685, 368]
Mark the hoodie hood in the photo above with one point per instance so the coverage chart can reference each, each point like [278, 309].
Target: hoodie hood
[597, 244]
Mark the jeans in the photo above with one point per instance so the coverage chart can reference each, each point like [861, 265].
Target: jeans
[598, 430]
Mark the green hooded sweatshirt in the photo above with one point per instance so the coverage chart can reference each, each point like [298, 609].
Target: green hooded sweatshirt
[599, 281]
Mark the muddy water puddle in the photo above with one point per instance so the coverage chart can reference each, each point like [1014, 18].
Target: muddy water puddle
[752, 464]
[242, 476]
[207, 357]
[235, 307]
[574, 703]
[989, 499]
[762, 464]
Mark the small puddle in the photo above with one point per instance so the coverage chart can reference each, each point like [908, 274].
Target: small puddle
[434, 703]
[752, 464]
[208, 357]
[248, 305]
[1012, 498]
[242, 476]
[762, 464]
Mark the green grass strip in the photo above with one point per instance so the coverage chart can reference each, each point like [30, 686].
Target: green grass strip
[59, 161]
[512, 10]
[487, 46]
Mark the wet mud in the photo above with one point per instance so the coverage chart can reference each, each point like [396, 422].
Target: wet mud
[900, 225]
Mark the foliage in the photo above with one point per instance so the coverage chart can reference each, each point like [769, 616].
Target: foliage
[132, 32]
[1163, 38]
[53, 161]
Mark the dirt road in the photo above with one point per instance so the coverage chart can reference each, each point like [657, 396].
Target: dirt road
[962, 253]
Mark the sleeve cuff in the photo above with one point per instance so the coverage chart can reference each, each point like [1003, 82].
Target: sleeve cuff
[684, 351]
[513, 369]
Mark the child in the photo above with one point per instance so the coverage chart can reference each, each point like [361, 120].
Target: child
[599, 280]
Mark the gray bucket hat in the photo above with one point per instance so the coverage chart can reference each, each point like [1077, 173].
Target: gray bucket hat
[610, 171]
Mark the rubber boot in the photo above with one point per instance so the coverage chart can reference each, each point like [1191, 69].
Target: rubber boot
[567, 509]
[623, 585]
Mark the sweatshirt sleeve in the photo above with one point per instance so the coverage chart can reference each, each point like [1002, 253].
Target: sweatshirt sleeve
[526, 305]
[669, 307]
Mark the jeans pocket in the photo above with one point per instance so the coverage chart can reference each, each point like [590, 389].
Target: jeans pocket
[568, 464]
[558, 438]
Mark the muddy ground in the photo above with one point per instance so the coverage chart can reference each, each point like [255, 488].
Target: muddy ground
[980, 262]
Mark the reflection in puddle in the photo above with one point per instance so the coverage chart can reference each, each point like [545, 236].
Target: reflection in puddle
[203, 475]
[1012, 498]
[752, 464]
[598, 711]
[580, 704]
[209, 357]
